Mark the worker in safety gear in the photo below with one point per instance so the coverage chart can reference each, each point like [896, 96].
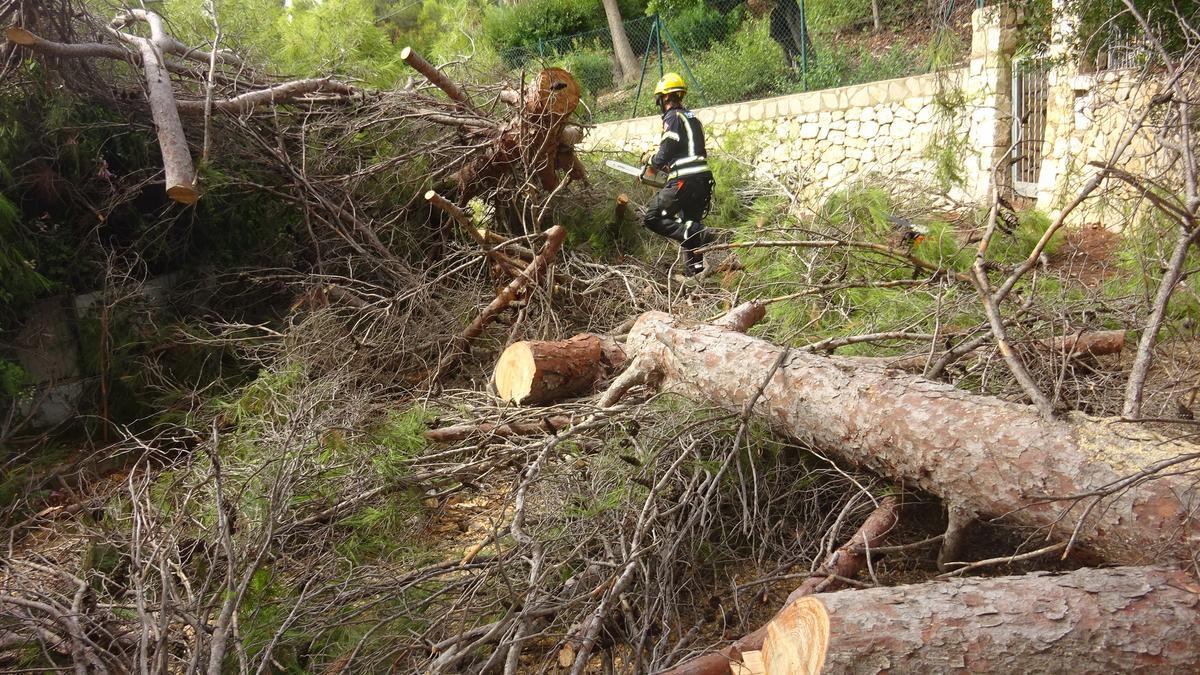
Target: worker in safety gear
[680, 206]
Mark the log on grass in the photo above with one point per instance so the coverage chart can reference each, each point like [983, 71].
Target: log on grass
[547, 425]
[992, 457]
[1079, 345]
[1117, 620]
[532, 372]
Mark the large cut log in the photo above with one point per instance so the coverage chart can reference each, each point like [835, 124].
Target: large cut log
[988, 456]
[1125, 619]
[539, 371]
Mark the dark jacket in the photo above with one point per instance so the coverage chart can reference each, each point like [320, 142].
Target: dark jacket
[681, 151]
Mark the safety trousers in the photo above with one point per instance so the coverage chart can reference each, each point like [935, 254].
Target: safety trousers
[677, 211]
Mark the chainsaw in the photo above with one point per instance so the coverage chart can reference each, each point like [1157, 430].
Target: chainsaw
[657, 179]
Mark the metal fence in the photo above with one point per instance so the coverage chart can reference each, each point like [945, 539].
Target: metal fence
[729, 57]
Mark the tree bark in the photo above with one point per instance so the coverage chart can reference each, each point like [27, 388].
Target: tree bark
[536, 371]
[993, 457]
[626, 60]
[1125, 619]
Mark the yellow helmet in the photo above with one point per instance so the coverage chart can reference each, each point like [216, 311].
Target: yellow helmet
[669, 84]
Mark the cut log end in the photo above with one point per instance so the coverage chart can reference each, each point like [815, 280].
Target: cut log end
[431, 195]
[19, 35]
[405, 53]
[515, 372]
[797, 639]
[184, 194]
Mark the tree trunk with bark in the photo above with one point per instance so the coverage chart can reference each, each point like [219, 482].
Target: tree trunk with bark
[535, 371]
[988, 456]
[1125, 619]
[626, 60]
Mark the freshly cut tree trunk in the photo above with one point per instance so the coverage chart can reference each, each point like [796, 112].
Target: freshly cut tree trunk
[1125, 619]
[989, 456]
[536, 371]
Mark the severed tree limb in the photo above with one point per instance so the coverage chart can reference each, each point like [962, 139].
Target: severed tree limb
[1125, 619]
[532, 273]
[1116, 620]
[281, 93]
[997, 458]
[180, 174]
[741, 318]
[458, 432]
[506, 263]
[437, 78]
[847, 561]
[843, 563]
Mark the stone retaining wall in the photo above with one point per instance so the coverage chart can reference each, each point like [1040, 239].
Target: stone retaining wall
[815, 142]
[884, 132]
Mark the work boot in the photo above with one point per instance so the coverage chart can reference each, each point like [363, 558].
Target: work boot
[693, 264]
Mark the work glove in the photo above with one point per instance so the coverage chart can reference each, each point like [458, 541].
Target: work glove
[647, 156]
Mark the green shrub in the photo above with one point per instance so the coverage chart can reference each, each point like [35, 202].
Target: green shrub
[696, 26]
[837, 66]
[748, 65]
[521, 26]
[591, 67]
[835, 15]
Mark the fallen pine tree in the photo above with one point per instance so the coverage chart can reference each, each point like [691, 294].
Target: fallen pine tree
[1122, 619]
[1121, 492]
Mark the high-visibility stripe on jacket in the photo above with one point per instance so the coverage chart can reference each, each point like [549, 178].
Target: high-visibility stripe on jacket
[681, 149]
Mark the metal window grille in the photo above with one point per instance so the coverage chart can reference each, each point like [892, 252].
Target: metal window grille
[1029, 101]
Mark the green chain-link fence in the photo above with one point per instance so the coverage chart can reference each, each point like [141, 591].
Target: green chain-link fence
[739, 56]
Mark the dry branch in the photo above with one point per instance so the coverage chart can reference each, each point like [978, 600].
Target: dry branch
[844, 563]
[437, 78]
[996, 458]
[547, 425]
[287, 92]
[531, 274]
[1096, 343]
